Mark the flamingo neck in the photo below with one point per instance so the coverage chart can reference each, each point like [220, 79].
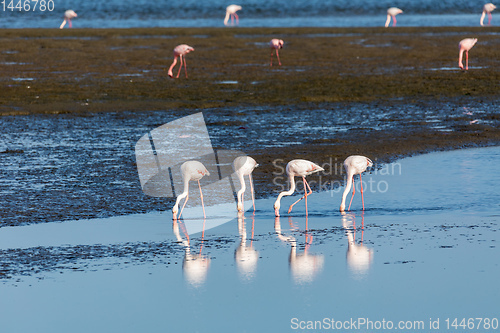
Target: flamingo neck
[172, 66]
[460, 56]
[242, 190]
[388, 20]
[482, 18]
[346, 190]
[286, 193]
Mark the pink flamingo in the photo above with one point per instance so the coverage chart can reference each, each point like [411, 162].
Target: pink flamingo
[392, 12]
[354, 165]
[275, 44]
[301, 168]
[487, 9]
[68, 15]
[231, 12]
[179, 52]
[465, 45]
[191, 170]
[243, 166]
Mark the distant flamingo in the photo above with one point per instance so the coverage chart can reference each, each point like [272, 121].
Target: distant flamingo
[300, 168]
[276, 44]
[465, 45]
[179, 52]
[191, 170]
[354, 165]
[243, 166]
[68, 15]
[487, 9]
[392, 12]
[231, 12]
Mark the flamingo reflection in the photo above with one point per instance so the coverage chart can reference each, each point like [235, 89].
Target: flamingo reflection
[195, 264]
[304, 266]
[245, 255]
[359, 257]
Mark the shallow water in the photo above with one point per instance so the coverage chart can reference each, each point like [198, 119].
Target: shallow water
[255, 13]
[424, 249]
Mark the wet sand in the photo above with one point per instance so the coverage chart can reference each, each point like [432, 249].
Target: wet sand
[145, 271]
[406, 74]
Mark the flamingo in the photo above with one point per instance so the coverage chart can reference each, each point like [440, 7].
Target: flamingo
[179, 52]
[191, 170]
[487, 9]
[392, 12]
[465, 45]
[231, 12]
[275, 44]
[243, 166]
[354, 165]
[301, 168]
[68, 15]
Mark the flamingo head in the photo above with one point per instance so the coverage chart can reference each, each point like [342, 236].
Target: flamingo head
[277, 208]
[240, 207]
[281, 43]
[369, 163]
[175, 210]
[342, 207]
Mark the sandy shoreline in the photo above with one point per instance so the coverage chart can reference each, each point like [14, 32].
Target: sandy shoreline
[326, 73]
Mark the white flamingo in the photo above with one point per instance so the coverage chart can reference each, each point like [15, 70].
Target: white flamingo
[231, 12]
[275, 44]
[179, 52]
[487, 9]
[300, 168]
[391, 13]
[354, 165]
[465, 45]
[68, 15]
[244, 166]
[191, 170]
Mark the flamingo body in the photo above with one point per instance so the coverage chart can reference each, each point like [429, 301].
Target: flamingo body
[300, 168]
[275, 44]
[354, 165]
[487, 9]
[244, 166]
[68, 15]
[465, 45]
[391, 13]
[179, 52]
[231, 13]
[191, 170]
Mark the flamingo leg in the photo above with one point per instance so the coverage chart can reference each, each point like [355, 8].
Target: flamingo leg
[353, 192]
[394, 21]
[237, 19]
[278, 56]
[202, 205]
[304, 196]
[466, 60]
[489, 18]
[251, 191]
[180, 65]
[271, 58]
[185, 69]
[184, 205]
[69, 24]
[362, 199]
